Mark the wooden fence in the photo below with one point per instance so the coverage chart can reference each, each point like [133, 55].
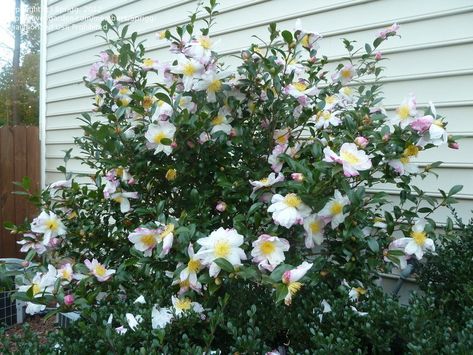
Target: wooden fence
[19, 157]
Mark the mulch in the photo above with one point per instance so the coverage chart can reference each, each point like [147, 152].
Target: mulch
[38, 325]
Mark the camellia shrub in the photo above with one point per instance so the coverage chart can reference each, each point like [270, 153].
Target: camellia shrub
[234, 208]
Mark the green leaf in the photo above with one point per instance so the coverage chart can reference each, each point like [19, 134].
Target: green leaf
[368, 48]
[287, 36]
[163, 97]
[277, 273]
[224, 264]
[455, 189]
[281, 292]
[373, 244]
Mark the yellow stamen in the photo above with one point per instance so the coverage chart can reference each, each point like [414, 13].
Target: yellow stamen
[52, 224]
[158, 137]
[215, 85]
[336, 208]
[189, 69]
[292, 200]
[218, 120]
[36, 289]
[315, 227]
[419, 237]
[411, 151]
[100, 270]
[222, 249]
[267, 248]
[349, 157]
[403, 112]
[183, 304]
[300, 86]
[169, 229]
[149, 240]
[148, 62]
[193, 265]
[294, 287]
[205, 42]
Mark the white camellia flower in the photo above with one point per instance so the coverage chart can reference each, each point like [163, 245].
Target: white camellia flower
[144, 239]
[325, 119]
[333, 210]
[211, 82]
[222, 243]
[300, 89]
[355, 293]
[183, 305]
[133, 321]
[65, 272]
[189, 68]
[418, 243]
[268, 251]
[189, 273]
[49, 225]
[155, 135]
[221, 122]
[98, 270]
[288, 210]
[314, 228]
[266, 182]
[281, 136]
[160, 317]
[345, 74]
[42, 284]
[403, 166]
[166, 236]
[291, 279]
[405, 113]
[123, 199]
[352, 159]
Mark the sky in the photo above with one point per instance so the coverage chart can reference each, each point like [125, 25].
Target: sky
[7, 15]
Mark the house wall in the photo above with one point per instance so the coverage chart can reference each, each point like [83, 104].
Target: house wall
[433, 60]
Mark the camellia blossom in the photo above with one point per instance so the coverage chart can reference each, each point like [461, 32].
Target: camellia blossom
[436, 134]
[41, 285]
[123, 199]
[418, 243]
[268, 251]
[160, 317]
[300, 89]
[288, 210]
[65, 272]
[352, 159]
[221, 122]
[150, 64]
[133, 321]
[325, 119]
[155, 135]
[314, 228]
[333, 210]
[281, 136]
[144, 239]
[98, 270]
[183, 305]
[291, 279]
[345, 74]
[405, 113]
[389, 31]
[189, 273]
[190, 70]
[403, 165]
[31, 242]
[356, 292]
[211, 82]
[267, 182]
[49, 225]
[221, 243]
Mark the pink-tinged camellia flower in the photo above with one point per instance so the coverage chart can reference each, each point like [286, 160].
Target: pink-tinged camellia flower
[211, 82]
[281, 136]
[436, 135]
[345, 74]
[333, 210]
[352, 159]
[314, 228]
[65, 272]
[268, 251]
[98, 270]
[297, 177]
[149, 64]
[144, 239]
[422, 124]
[183, 305]
[325, 119]
[222, 243]
[389, 31]
[49, 225]
[189, 274]
[123, 199]
[190, 69]
[273, 159]
[291, 279]
[31, 242]
[155, 135]
[267, 182]
[307, 39]
[405, 113]
[288, 210]
[418, 242]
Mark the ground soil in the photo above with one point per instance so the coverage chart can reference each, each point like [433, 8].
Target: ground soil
[39, 326]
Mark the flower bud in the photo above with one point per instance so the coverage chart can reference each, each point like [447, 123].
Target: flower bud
[361, 142]
[69, 300]
[25, 263]
[173, 145]
[454, 145]
[221, 206]
[171, 175]
[378, 56]
[297, 177]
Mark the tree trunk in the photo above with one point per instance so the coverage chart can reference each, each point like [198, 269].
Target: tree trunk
[16, 63]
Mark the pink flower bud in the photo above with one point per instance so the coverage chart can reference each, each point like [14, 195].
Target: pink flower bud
[378, 56]
[221, 206]
[173, 145]
[297, 177]
[25, 263]
[313, 59]
[69, 300]
[386, 137]
[233, 132]
[454, 145]
[190, 144]
[204, 137]
[132, 181]
[265, 123]
[361, 142]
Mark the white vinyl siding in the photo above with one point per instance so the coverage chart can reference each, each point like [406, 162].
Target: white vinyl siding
[433, 60]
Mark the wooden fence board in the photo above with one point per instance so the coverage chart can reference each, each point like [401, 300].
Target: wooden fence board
[19, 157]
